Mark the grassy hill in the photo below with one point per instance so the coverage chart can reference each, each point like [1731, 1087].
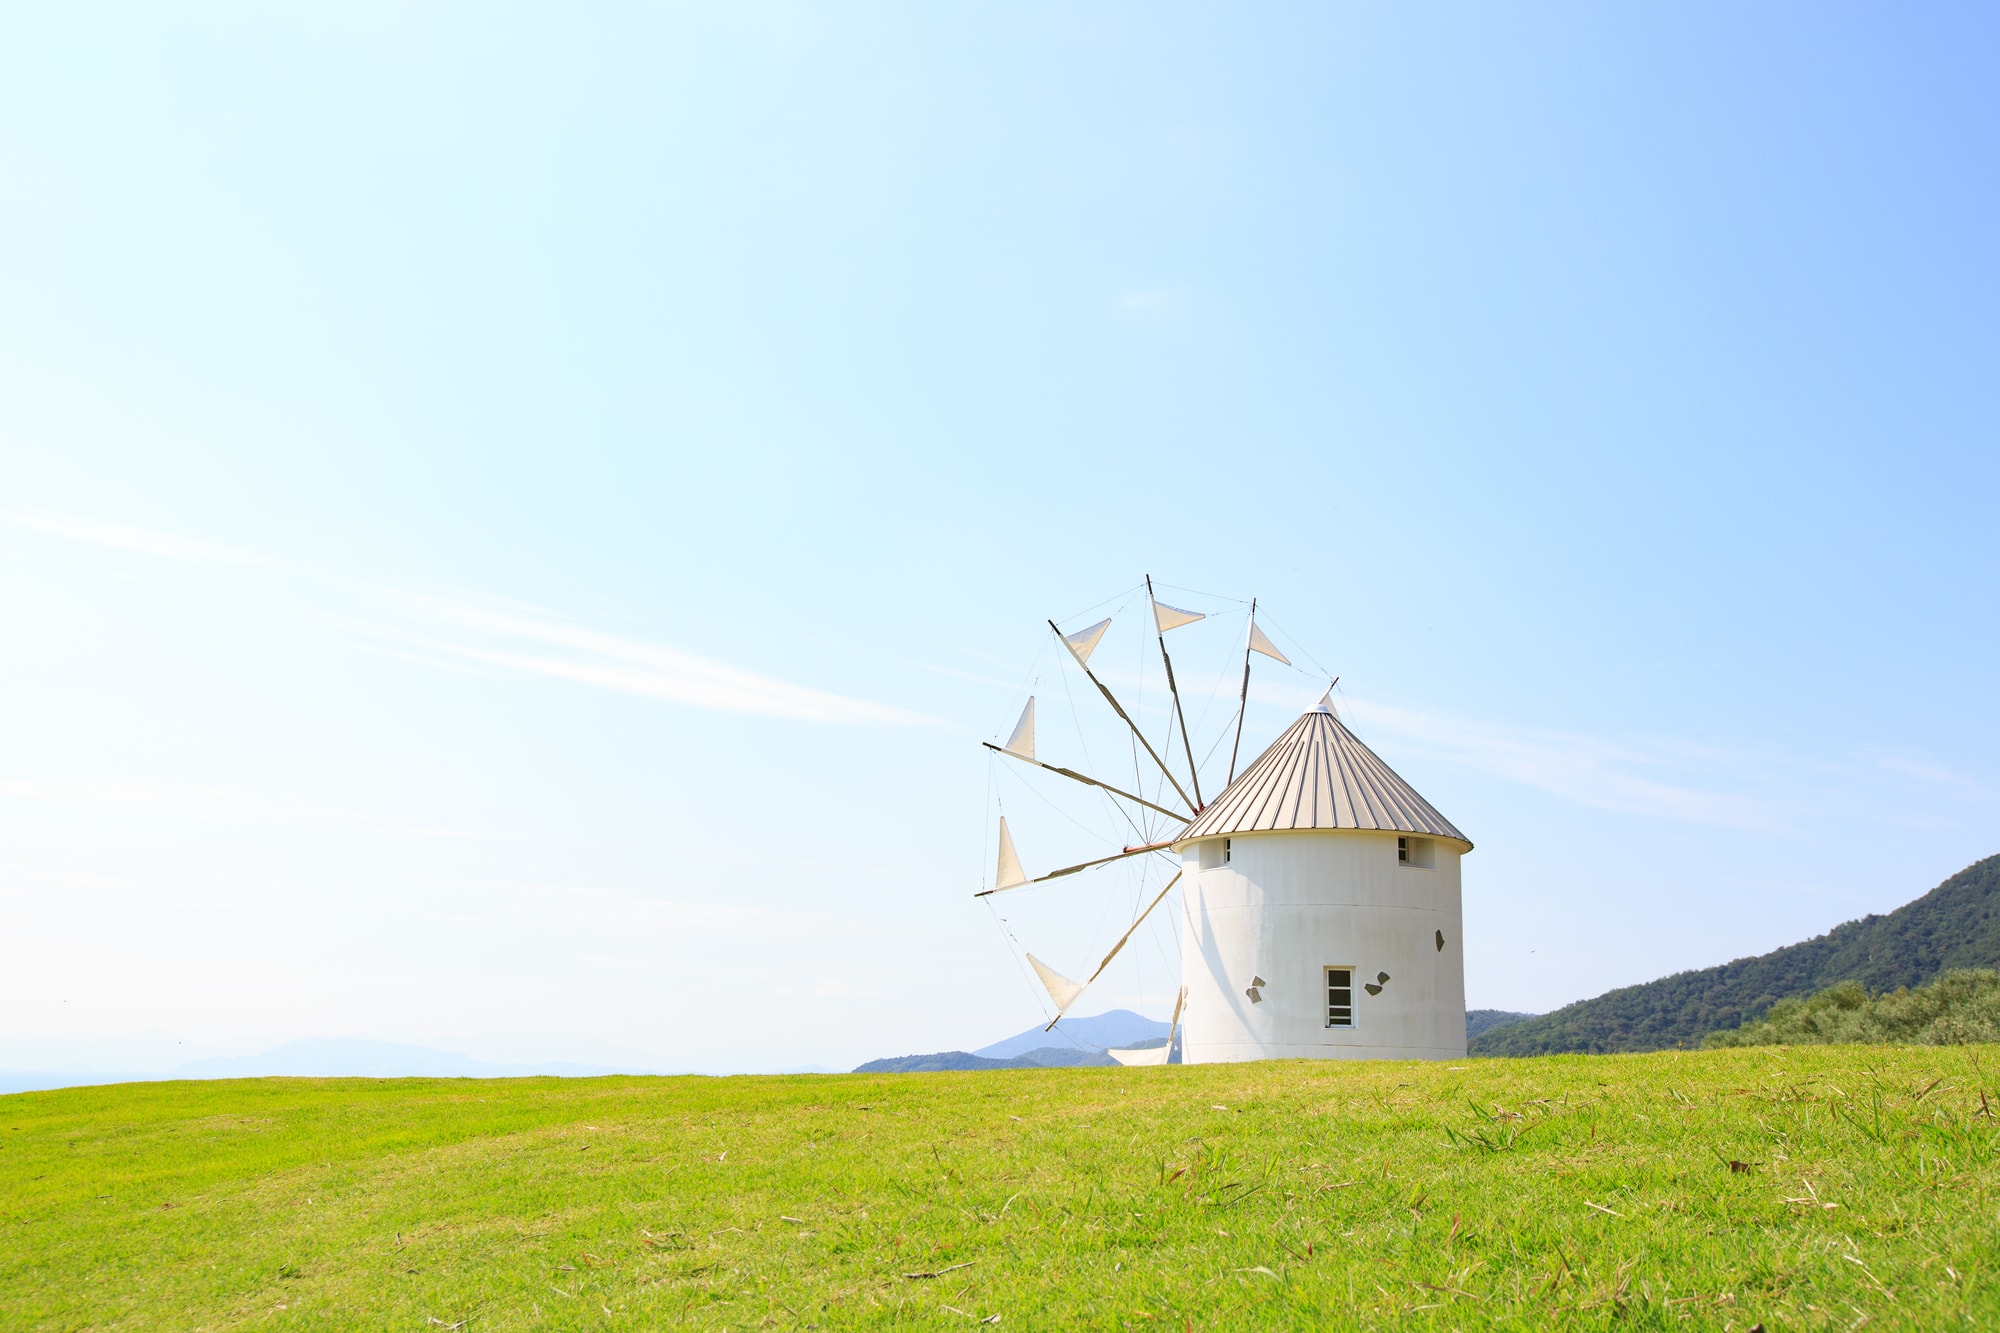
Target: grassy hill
[1701, 1190]
[1484, 1020]
[1955, 925]
[1958, 1009]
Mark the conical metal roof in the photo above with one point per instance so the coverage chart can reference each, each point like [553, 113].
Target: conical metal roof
[1319, 776]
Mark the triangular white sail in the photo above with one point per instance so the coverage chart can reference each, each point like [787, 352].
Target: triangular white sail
[1260, 644]
[1009, 874]
[1061, 989]
[1022, 742]
[1084, 642]
[1151, 1055]
[1172, 617]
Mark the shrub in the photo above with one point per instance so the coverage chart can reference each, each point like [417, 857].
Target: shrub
[1959, 1007]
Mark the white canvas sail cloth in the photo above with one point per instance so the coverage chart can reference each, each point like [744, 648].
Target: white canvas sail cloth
[1022, 742]
[1084, 642]
[1008, 873]
[1150, 1055]
[1061, 989]
[1260, 644]
[1172, 617]
[1154, 1055]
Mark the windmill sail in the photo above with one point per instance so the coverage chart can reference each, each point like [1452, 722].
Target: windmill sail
[1151, 1055]
[1260, 644]
[1084, 642]
[1008, 874]
[1172, 617]
[1061, 989]
[1022, 742]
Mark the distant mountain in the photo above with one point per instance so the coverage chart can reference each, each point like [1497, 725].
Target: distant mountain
[1073, 1043]
[330, 1058]
[318, 1058]
[1088, 1038]
[1485, 1020]
[1050, 1057]
[1955, 925]
[1115, 1027]
[41, 1080]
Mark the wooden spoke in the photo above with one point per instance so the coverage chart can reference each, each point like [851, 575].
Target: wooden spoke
[1078, 777]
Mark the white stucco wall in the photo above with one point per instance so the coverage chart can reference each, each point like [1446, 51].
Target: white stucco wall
[1291, 904]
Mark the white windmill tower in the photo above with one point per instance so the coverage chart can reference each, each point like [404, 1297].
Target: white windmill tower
[1320, 893]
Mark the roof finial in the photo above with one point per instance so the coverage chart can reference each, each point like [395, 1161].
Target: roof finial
[1325, 704]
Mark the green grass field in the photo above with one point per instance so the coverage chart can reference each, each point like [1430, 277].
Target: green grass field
[1825, 1187]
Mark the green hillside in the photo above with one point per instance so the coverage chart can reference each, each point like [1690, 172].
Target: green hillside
[1800, 1188]
[1482, 1020]
[1955, 925]
[1958, 1009]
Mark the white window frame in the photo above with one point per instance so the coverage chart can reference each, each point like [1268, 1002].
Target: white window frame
[1415, 852]
[1353, 1017]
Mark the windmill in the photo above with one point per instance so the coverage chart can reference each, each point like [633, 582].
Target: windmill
[1320, 895]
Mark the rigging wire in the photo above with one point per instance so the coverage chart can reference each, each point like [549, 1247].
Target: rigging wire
[1202, 592]
[1076, 720]
[986, 838]
[1126, 593]
[1215, 688]
[1297, 646]
[995, 802]
[1219, 740]
[1014, 947]
[1153, 928]
[1036, 792]
[1097, 931]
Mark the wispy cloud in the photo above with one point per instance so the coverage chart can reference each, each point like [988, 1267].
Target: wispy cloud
[592, 906]
[612, 662]
[143, 541]
[1958, 785]
[225, 804]
[1588, 770]
[1698, 782]
[82, 793]
[513, 637]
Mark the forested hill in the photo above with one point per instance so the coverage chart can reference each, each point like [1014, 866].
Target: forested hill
[1957, 924]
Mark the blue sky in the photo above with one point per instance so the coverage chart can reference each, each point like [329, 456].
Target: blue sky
[515, 519]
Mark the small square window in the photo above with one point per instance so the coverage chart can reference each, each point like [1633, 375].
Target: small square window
[1418, 852]
[1340, 997]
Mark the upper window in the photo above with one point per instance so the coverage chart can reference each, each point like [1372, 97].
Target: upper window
[1214, 852]
[1418, 852]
